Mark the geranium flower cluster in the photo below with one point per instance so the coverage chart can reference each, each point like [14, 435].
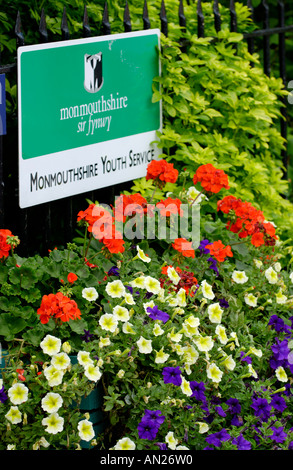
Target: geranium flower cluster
[247, 221]
[7, 241]
[58, 306]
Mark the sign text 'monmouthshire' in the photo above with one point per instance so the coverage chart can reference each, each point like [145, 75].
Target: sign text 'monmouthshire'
[102, 105]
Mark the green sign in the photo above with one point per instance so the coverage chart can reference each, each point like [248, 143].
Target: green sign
[86, 114]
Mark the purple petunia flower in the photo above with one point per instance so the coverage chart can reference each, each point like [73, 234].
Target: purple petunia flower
[236, 420]
[147, 429]
[213, 265]
[202, 247]
[157, 314]
[245, 359]
[261, 408]
[217, 438]
[278, 402]
[280, 349]
[87, 337]
[3, 396]
[224, 303]
[277, 323]
[114, 271]
[278, 434]
[172, 375]
[234, 406]
[154, 416]
[241, 443]
[198, 389]
[220, 411]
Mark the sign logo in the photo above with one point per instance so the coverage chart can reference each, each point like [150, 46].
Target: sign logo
[93, 76]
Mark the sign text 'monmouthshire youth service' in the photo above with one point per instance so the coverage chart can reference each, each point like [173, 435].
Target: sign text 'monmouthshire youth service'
[106, 165]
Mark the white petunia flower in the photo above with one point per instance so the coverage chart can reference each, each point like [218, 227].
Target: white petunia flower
[221, 333]
[181, 297]
[146, 305]
[85, 430]
[121, 313]
[53, 375]
[14, 415]
[90, 294]
[207, 291]
[252, 371]
[51, 402]
[108, 322]
[250, 300]
[277, 267]
[54, 423]
[256, 352]
[51, 345]
[203, 427]
[271, 275]
[258, 263]
[239, 277]
[124, 444]
[61, 361]
[161, 356]
[158, 330]
[92, 372]
[115, 289]
[141, 254]
[104, 342]
[127, 328]
[215, 313]
[175, 337]
[193, 193]
[84, 359]
[173, 275]
[144, 345]
[291, 276]
[152, 285]
[214, 373]
[171, 440]
[185, 387]
[138, 282]
[18, 394]
[281, 298]
[281, 374]
[229, 363]
[129, 298]
[204, 343]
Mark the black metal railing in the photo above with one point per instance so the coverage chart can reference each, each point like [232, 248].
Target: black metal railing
[25, 222]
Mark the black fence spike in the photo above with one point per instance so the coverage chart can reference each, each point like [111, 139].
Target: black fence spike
[18, 31]
[200, 20]
[106, 28]
[86, 26]
[217, 16]
[145, 16]
[182, 19]
[126, 19]
[233, 17]
[64, 26]
[43, 27]
[163, 18]
[250, 7]
[266, 39]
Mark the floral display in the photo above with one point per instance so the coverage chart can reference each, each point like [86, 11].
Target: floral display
[190, 341]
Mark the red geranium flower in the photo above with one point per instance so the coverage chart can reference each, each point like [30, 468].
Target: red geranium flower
[184, 247]
[211, 179]
[72, 278]
[220, 251]
[162, 170]
[169, 206]
[58, 306]
[4, 247]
